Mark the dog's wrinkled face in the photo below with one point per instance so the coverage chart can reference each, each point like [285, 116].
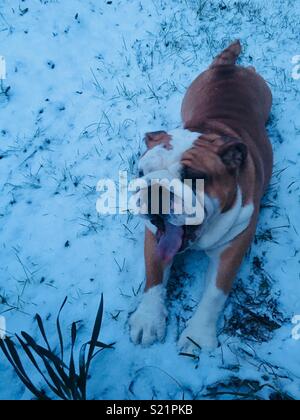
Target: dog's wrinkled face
[184, 154]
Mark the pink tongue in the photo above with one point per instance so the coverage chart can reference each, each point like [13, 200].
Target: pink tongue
[169, 242]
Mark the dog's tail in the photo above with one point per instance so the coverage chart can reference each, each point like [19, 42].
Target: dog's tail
[229, 56]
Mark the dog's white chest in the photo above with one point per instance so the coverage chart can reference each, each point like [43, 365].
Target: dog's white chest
[222, 228]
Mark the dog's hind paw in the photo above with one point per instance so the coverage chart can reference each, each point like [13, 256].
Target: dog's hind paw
[196, 338]
[148, 323]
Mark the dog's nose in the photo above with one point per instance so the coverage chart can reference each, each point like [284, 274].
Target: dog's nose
[141, 173]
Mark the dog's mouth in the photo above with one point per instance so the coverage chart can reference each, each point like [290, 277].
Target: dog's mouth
[174, 208]
[171, 239]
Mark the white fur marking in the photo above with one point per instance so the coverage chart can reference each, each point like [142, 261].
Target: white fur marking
[148, 322]
[240, 225]
[222, 228]
[159, 158]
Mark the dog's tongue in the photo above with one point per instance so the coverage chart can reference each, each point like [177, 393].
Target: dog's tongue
[169, 242]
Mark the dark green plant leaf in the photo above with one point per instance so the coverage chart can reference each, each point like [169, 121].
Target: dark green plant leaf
[61, 343]
[25, 347]
[42, 350]
[72, 372]
[14, 360]
[42, 330]
[58, 364]
[82, 371]
[95, 334]
[103, 345]
[62, 380]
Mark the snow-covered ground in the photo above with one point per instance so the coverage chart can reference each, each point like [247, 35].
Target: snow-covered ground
[85, 81]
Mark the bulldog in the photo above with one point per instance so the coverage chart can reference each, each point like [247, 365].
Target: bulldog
[224, 142]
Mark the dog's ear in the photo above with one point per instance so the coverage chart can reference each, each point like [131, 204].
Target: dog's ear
[233, 153]
[158, 137]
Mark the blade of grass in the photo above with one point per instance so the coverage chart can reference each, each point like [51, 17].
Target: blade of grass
[61, 343]
[103, 345]
[42, 350]
[28, 352]
[10, 353]
[82, 371]
[72, 372]
[194, 342]
[84, 364]
[44, 354]
[42, 330]
[95, 334]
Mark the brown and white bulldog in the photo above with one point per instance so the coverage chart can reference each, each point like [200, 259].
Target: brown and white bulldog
[223, 141]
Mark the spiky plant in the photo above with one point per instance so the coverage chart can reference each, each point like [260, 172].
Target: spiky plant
[66, 380]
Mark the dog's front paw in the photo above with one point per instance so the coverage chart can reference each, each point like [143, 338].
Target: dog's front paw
[197, 336]
[148, 323]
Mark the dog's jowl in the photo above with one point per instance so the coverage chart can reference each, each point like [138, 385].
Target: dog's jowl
[224, 142]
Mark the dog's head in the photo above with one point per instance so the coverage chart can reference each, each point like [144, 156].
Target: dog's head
[190, 156]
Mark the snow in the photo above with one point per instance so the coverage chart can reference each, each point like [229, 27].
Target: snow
[87, 80]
